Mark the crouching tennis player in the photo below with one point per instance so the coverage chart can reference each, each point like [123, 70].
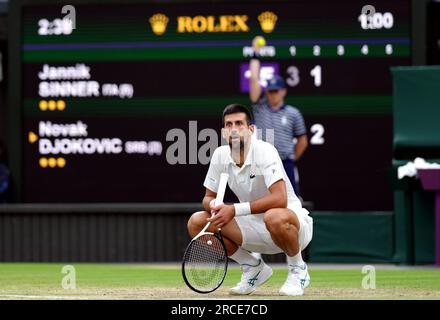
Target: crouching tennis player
[269, 218]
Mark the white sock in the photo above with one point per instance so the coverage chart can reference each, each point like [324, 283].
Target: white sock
[244, 257]
[256, 255]
[295, 260]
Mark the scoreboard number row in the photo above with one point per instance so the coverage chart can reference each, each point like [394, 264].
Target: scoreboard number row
[341, 50]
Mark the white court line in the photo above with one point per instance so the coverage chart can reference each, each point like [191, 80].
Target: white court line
[86, 298]
[40, 297]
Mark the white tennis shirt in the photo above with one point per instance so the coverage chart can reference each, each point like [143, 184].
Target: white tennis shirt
[261, 169]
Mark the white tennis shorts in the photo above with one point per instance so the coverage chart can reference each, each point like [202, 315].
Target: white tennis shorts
[256, 237]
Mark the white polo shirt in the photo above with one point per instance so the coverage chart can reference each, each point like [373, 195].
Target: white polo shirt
[261, 169]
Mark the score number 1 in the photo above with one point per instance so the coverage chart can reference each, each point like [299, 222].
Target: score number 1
[294, 79]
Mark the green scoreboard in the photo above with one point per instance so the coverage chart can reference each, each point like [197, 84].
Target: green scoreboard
[117, 101]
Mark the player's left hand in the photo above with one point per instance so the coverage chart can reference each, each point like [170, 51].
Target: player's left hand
[225, 213]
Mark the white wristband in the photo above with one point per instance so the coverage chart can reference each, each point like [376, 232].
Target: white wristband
[242, 209]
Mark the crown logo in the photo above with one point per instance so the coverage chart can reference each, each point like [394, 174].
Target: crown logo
[159, 23]
[267, 20]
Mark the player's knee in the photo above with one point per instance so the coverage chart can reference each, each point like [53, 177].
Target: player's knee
[272, 219]
[196, 222]
[276, 220]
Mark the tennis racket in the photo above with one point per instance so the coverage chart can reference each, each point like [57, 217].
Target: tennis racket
[205, 261]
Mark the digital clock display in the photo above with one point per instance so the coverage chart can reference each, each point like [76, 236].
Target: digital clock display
[105, 105]
[55, 27]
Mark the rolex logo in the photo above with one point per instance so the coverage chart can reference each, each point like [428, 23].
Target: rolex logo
[267, 20]
[159, 23]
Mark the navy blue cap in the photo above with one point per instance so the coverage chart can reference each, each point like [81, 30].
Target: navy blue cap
[276, 83]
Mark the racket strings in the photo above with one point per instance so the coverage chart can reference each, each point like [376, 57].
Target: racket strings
[205, 263]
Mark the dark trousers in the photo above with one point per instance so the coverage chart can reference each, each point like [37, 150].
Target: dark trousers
[289, 166]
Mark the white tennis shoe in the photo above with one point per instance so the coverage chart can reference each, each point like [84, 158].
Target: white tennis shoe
[251, 278]
[297, 280]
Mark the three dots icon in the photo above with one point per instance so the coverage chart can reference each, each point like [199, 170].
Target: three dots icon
[52, 162]
[52, 105]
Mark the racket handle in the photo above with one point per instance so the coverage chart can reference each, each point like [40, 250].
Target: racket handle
[221, 188]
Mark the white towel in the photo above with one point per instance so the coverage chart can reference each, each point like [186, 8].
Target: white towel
[410, 169]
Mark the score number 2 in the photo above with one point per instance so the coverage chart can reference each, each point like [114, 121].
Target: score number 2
[317, 137]
[294, 79]
[317, 131]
